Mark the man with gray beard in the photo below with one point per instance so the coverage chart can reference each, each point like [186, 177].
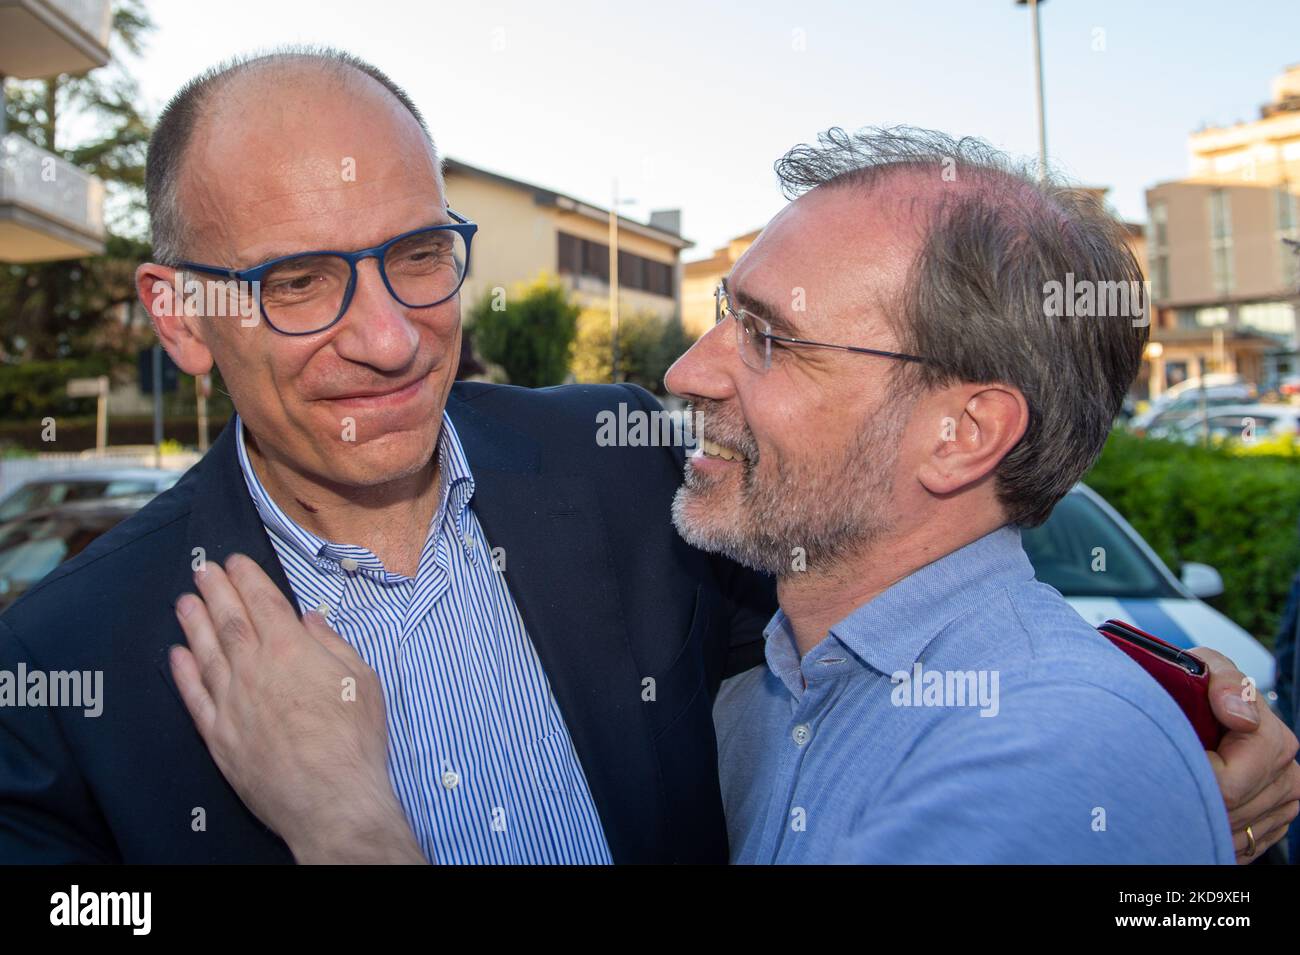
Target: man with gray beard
[886, 405]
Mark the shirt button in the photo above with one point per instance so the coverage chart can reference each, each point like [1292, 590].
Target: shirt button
[801, 734]
[348, 564]
[450, 779]
[469, 541]
[323, 609]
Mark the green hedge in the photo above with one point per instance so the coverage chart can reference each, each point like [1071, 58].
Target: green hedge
[1236, 513]
[19, 438]
[34, 389]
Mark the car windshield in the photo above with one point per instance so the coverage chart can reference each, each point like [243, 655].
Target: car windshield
[41, 494]
[30, 549]
[50, 493]
[1082, 552]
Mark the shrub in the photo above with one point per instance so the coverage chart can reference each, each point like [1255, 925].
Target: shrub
[527, 332]
[1236, 513]
[34, 389]
[648, 344]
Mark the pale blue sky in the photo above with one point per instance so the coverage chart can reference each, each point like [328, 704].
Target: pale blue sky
[688, 103]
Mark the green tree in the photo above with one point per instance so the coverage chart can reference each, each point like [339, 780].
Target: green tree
[1235, 512]
[527, 332]
[648, 344]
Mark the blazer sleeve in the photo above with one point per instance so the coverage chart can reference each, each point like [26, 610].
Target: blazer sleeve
[47, 814]
[750, 597]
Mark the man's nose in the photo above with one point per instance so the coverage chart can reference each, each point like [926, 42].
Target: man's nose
[706, 370]
[376, 331]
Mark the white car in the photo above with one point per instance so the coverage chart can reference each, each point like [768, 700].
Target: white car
[1241, 423]
[1160, 422]
[1104, 568]
[1186, 396]
[64, 487]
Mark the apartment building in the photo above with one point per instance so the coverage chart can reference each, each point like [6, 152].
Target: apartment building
[1224, 283]
[49, 208]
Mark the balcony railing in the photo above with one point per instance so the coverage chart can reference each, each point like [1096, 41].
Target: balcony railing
[43, 38]
[49, 208]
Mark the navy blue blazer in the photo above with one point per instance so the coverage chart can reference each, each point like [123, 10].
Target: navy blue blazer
[608, 591]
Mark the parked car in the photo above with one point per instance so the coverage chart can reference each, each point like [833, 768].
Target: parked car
[66, 487]
[1230, 423]
[1161, 419]
[33, 545]
[1104, 568]
[1217, 381]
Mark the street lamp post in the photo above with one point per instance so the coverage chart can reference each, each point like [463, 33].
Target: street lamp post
[1038, 83]
[1293, 246]
[613, 279]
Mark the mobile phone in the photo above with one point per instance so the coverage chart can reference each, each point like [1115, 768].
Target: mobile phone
[1166, 651]
[1183, 676]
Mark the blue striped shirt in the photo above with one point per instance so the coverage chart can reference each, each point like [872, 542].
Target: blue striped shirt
[478, 752]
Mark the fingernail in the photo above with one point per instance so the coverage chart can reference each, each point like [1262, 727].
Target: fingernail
[1237, 706]
[186, 605]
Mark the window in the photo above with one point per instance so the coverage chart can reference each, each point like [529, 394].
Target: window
[631, 270]
[585, 258]
[1270, 318]
[1157, 228]
[595, 260]
[1157, 233]
[570, 255]
[1287, 229]
[1211, 316]
[1221, 242]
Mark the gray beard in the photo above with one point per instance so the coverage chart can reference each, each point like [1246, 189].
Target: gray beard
[828, 509]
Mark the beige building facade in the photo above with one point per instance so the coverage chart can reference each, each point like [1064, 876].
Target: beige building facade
[701, 278]
[525, 230]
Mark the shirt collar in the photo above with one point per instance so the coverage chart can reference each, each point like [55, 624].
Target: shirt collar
[456, 488]
[890, 631]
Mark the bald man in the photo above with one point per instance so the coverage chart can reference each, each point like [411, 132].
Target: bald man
[541, 646]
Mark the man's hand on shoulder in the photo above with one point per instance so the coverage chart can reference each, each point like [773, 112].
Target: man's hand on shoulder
[293, 717]
[1255, 762]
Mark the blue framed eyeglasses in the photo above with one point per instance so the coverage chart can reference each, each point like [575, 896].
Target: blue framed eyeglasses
[308, 292]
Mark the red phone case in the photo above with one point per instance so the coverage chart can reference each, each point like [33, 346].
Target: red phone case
[1190, 692]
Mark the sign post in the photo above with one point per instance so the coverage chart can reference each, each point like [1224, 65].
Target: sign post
[94, 388]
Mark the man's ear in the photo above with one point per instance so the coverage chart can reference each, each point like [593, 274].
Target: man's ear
[977, 426]
[180, 334]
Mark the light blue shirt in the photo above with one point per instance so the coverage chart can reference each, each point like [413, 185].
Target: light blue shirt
[965, 715]
[478, 752]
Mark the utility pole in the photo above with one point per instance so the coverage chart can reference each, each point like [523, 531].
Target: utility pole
[1038, 83]
[614, 203]
[202, 389]
[613, 283]
[156, 359]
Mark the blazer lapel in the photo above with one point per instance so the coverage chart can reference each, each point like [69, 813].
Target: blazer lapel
[223, 521]
[559, 570]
